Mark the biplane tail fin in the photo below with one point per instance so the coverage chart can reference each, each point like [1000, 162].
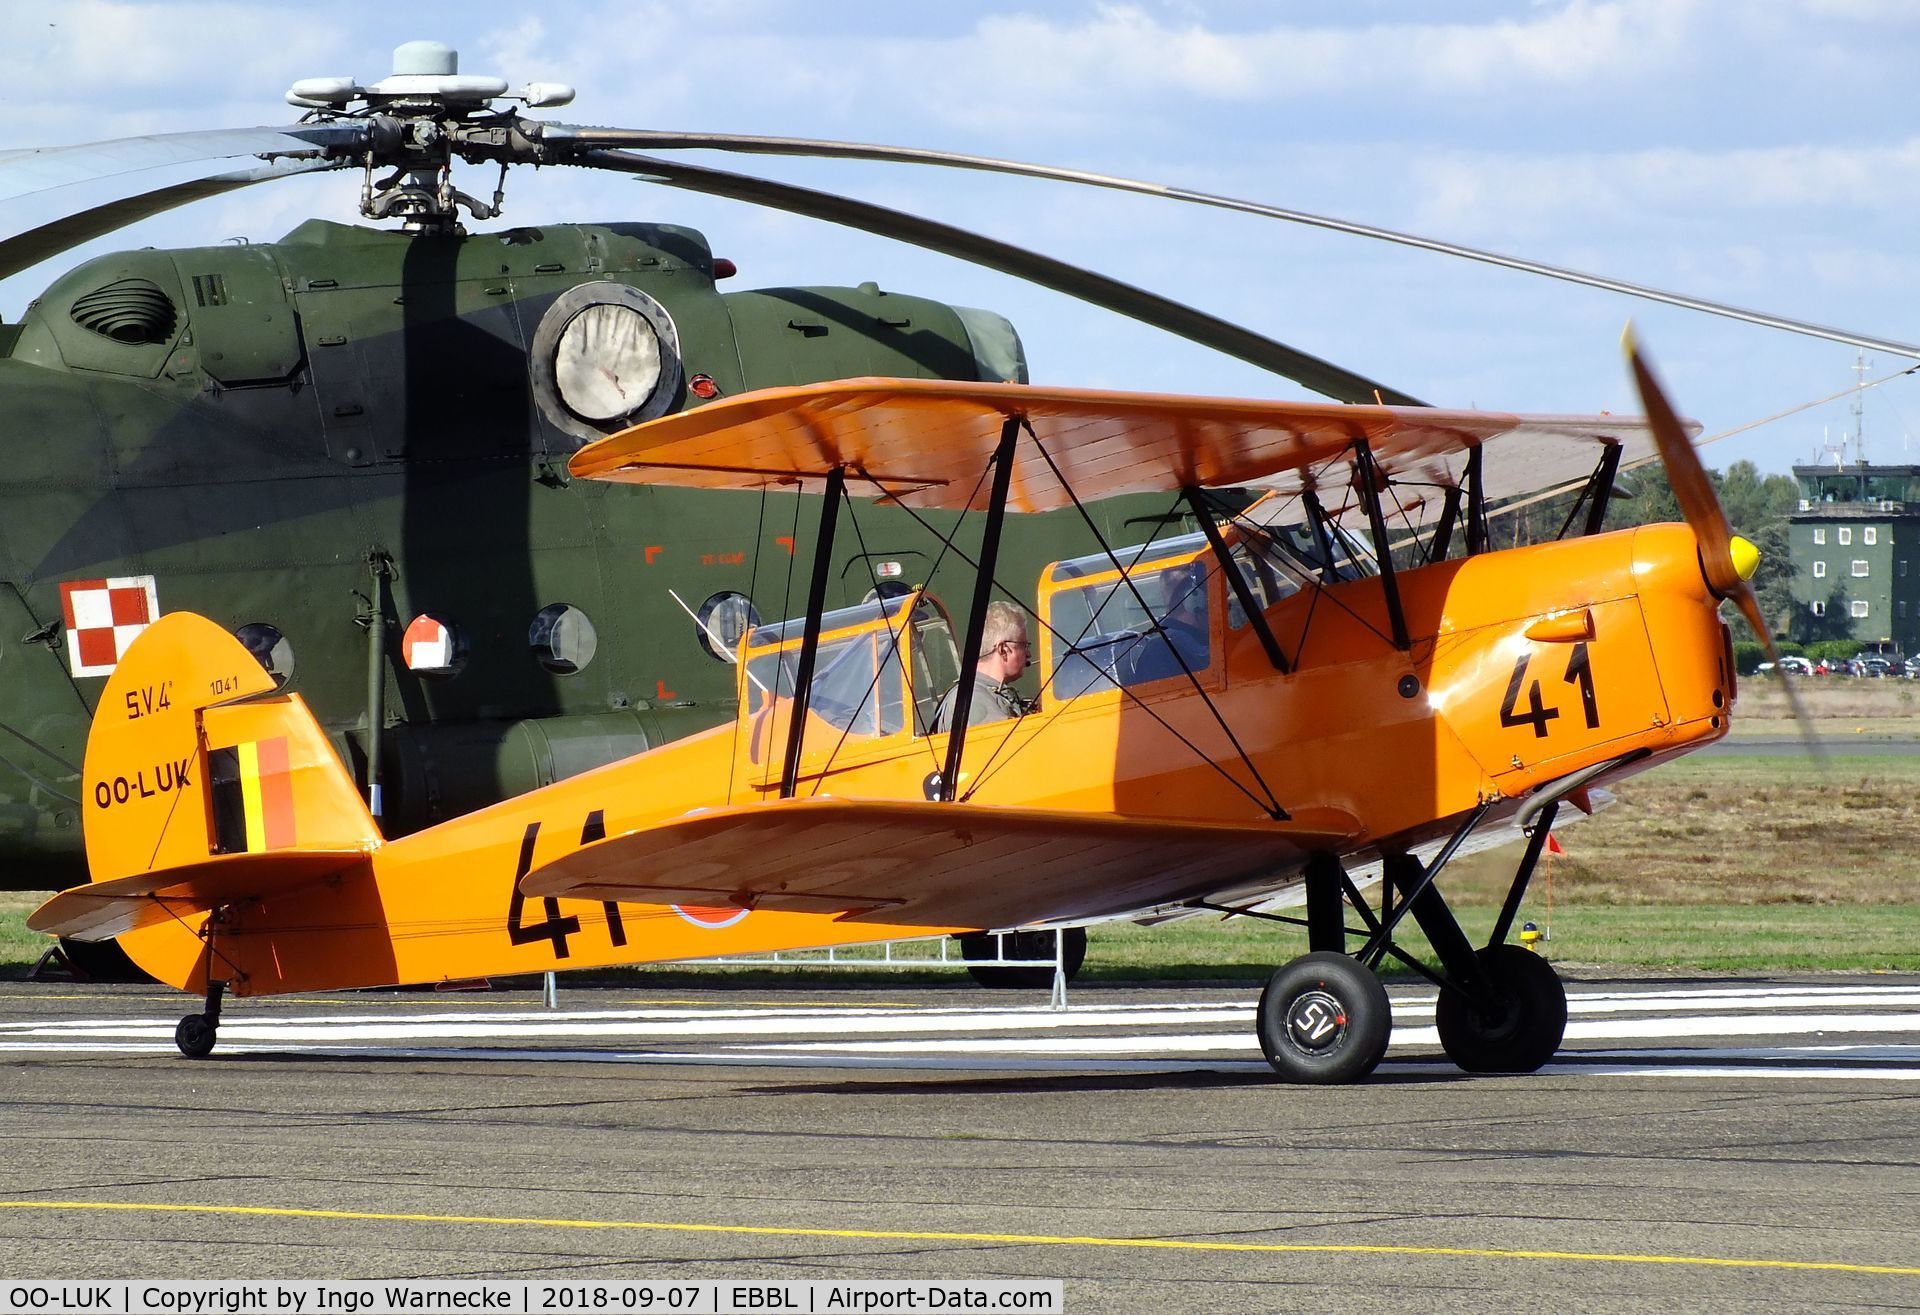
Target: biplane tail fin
[203, 785]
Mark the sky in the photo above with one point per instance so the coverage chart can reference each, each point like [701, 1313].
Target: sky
[1764, 155]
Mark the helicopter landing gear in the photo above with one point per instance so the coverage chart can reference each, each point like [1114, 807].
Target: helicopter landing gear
[196, 1033]
[1324, 1018]
[980, 950]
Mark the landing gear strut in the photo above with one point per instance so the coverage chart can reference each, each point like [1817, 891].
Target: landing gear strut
[1325, 1017]
[196, 1033]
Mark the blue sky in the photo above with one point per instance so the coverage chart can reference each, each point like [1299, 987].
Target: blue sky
[1765, 155]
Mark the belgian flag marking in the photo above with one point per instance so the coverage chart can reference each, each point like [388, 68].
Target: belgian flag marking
[252, 797]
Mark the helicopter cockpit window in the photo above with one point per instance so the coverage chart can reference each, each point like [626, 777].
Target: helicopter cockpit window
[270, 649]
[562, 639]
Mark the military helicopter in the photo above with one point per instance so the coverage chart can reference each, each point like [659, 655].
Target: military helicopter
[350, 446]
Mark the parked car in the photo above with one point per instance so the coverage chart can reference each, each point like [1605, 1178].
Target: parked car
[1797, 666]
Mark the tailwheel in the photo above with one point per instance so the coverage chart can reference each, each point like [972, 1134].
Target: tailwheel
[1516, 1026]
[195, 1036]
[1324, 1018]
[196, 1033]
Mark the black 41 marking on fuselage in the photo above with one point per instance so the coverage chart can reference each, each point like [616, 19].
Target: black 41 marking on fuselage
[557, 928]
[1579, 672]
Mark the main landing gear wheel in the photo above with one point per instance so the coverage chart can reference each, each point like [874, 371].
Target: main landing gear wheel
[1519, 1029]
[195, 1036]
[1324, 1018]
[979, 945]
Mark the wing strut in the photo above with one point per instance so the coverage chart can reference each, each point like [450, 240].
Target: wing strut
[977, 612]
[1477, 533]
[1366, 479]
[1596, 492]
[1256, 616]
[810, 641]
[1442, 536]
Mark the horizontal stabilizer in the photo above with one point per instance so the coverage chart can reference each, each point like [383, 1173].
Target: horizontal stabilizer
[107, 909]
[930, 864]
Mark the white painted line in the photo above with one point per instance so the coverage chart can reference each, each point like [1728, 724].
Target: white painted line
[564, 1025]
[1743, 1071]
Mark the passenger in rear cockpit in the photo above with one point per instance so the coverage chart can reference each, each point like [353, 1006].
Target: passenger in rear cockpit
[1181, 629]
[1005, 652]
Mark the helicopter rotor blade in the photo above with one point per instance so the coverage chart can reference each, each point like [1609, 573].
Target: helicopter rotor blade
[556, 134]
[25, 172]
[25, 250]
[1150, 308]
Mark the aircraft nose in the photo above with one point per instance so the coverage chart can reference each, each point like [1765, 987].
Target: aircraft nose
[1746, 557]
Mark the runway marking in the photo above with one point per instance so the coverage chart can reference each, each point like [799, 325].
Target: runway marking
[1006, 1239]
[634, 1023]
[1133, 1037]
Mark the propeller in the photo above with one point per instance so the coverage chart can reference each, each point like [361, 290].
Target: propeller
[1727, 560]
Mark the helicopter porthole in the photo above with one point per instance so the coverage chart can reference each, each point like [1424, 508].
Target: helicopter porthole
[605, 356]
[271, 649]
[724, 618]
[562, 639]
[431, 645]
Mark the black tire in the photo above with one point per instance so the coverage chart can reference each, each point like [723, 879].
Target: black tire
[1324, 1018]
[195, 1036]
[1519, 1032]
[1023, 945]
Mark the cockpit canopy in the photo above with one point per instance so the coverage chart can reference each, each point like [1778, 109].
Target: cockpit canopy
[877, 660]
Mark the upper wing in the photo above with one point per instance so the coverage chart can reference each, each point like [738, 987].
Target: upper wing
[925, 441]
[932, 865]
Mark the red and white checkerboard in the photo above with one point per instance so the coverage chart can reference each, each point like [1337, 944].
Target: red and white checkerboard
[102, 618]
[427, 646]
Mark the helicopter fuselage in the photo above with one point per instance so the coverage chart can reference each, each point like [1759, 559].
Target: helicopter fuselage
[350, 430]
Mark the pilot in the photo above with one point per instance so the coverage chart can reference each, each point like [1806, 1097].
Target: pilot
[1005, 652]
[1185, 620]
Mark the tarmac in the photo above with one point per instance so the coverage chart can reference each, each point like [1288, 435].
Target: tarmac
[1700, 1144]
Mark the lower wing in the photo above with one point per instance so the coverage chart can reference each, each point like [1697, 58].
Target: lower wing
[927, 864]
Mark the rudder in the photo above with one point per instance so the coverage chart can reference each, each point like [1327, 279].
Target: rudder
[193, 754]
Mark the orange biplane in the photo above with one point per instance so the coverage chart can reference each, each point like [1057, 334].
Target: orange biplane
[1332, 697]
